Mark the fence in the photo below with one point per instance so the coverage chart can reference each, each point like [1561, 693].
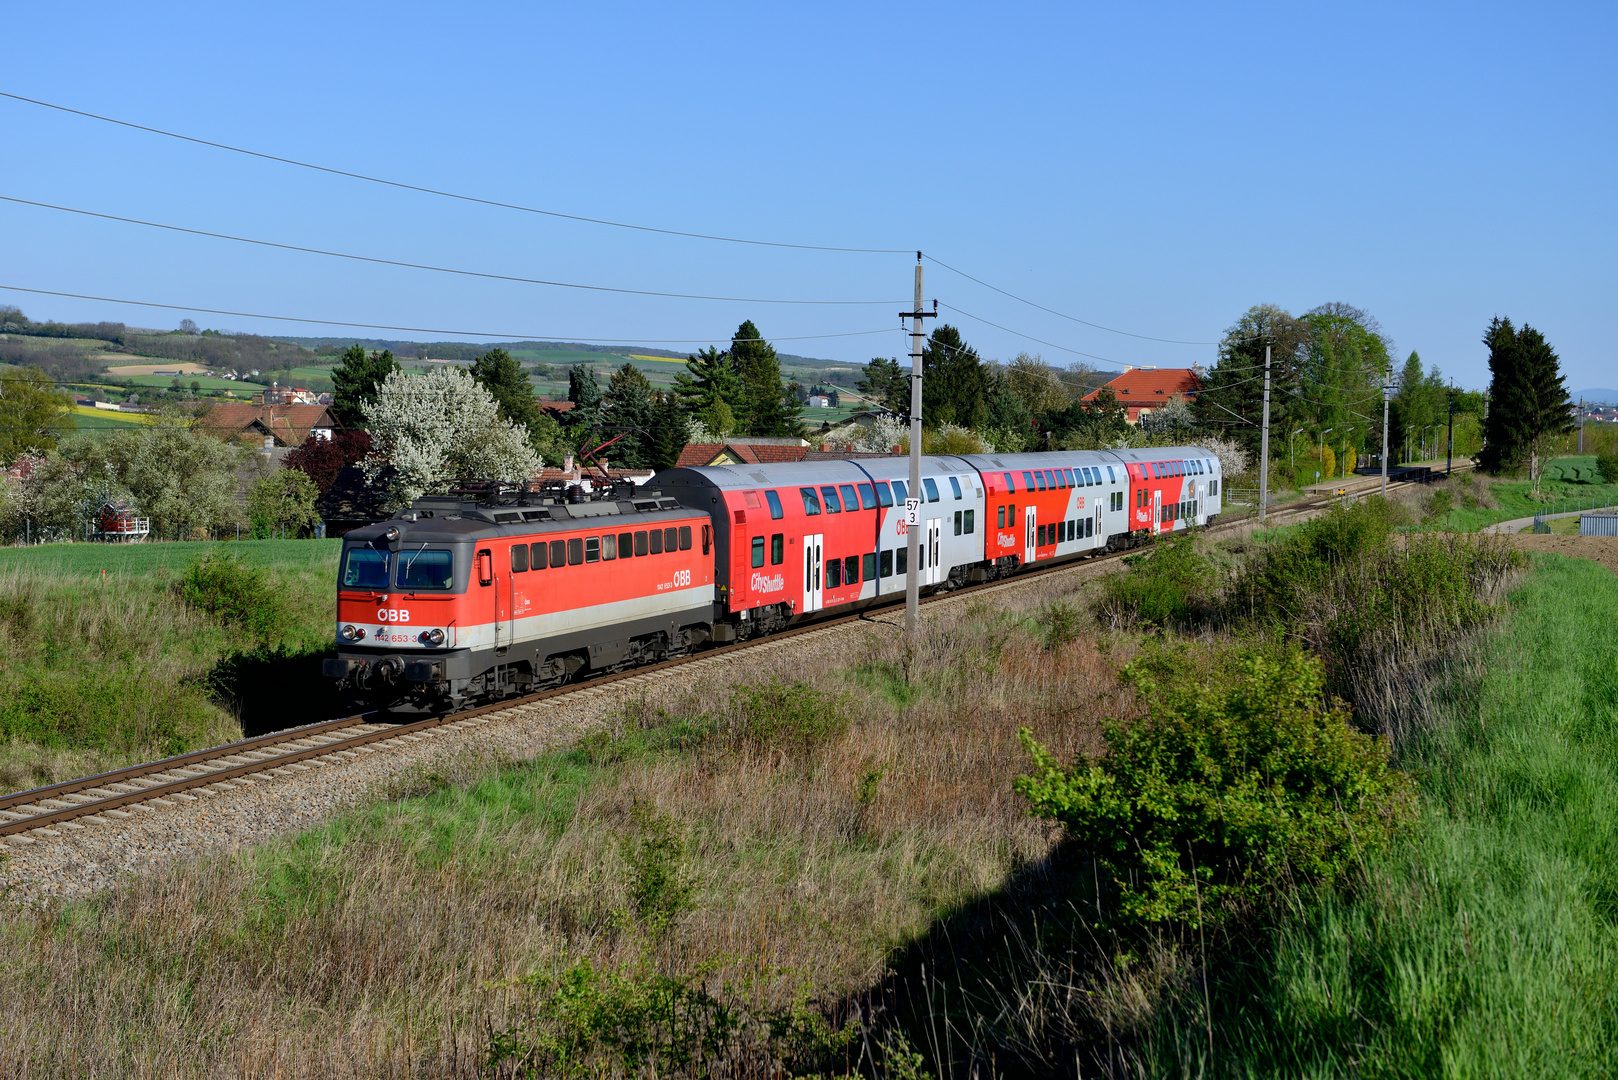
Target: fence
[1567, 508]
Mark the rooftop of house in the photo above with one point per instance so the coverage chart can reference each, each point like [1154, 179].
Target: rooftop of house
[1152, 386]
[289, 425]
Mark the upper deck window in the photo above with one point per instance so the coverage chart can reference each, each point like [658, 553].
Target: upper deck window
[850, 500]
[899, 492]
[828, 496]
[776, 513]
[955, 486]
[426, 570]
[1011, 486]
[1028, 481]
[867, 497]
[931, 489]
[884, 497]
[811, 502]
[366, 568]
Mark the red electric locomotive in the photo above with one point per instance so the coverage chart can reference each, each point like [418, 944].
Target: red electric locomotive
[455, 600]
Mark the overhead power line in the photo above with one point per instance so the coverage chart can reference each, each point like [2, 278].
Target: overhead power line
[1059, 314]
[1030, 337]
[422, 329]
[449, 194]
[425, 266]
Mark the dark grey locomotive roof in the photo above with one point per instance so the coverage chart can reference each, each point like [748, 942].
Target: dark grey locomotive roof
[442, 519]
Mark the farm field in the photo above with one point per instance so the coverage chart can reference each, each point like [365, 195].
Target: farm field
[145, 367]
[89, 418]
[240, 387]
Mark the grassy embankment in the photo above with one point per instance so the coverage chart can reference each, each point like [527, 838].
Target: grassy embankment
[106, 663]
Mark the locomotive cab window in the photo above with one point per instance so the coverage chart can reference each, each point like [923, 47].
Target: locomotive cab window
[656, 537]
[671, 539]
[538, 560]
[575, 551]
[776, 513]
[426, 571]
[558, 553]
[366, 568]
[685, 538]
[640, 545]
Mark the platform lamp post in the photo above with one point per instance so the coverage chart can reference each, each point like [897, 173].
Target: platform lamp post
[1323, 435]
[1292, 453]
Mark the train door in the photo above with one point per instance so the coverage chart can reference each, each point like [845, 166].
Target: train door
[1100, 526]
[812, 590]
[1157, 510]
[489, 574]
[935, 529]
[1030, 519]
[1196, 504]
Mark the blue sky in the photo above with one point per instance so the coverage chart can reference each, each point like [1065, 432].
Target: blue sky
[1152, 168]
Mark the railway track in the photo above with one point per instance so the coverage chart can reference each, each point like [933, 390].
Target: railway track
[122, 793]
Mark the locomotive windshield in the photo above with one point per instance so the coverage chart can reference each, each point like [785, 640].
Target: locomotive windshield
[426, 570]
[365, 568]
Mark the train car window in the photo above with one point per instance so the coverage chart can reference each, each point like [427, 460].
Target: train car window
[575, 551]
[870, 565]
[1073, 530]
[899, 492]
[886, 563]
[609, 547]
[640, 543]
[366, 568]
[1039, 482]
[1050, 479]
[884, 497]
[1039, 538]
[656, 537]
[705, 540]
[758, 551]
[776, 513]
[834, 573]
[671, 539]
[851, 501]
[431, 570]
[592, 549]
[957, 523]
[1011, 515]
[1000, 517]
[626, 545]
[519, 558]
[1011, 487]
[1067, 474]
[931, 489]
[778, 551]
[811, 502]
[485, 568]
[955, 486]
[851, 569]
[970, 514]
[867, 497]
[537, 557]
[903, 558]
[828, 499]
[685, 538]
[1111, 477]
[558, 553]
[1089, 526]
[751, 499]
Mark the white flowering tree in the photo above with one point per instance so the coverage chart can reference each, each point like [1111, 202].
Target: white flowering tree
[440, 430]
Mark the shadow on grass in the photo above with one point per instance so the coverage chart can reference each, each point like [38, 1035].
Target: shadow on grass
[278, 687]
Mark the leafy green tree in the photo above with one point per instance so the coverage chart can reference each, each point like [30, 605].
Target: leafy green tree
[1529, 406]
[283, 502]
[886, 384]
[32, 412]
[955, 384]
[355, 382]
[1343, 369]
[711, 379]
[1089, 425]
[1420, 403]
[767, 411]
[1038, 384]
[1231, 399]
[1006, 421]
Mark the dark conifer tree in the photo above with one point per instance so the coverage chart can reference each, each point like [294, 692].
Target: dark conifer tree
[500, 373]
[1528, 402]
[766, 408]
[954, 387]
[355, 381]
[886, 384]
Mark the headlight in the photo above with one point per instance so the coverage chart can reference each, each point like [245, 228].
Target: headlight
[391, 535]
[433, 637]
[352, 633]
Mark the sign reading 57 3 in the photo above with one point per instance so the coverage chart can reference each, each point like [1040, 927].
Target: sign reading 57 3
[912, 512]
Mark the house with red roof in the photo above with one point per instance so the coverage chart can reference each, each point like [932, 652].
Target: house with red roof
[749, 450]
[1140, 390]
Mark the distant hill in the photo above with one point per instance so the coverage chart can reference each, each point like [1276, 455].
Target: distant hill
[461, 350]
[1596, 397]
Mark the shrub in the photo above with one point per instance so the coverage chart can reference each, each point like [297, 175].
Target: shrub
[1608, 464]
[237, 593]
[789, 716]
[1231, 787]
[1161, 588]
[659, 887]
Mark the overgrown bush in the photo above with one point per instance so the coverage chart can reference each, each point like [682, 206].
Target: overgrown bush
[1608, 464]
[1242, 778]
[790, 716]
[237, 593]
[660, 888]
[1162, 588]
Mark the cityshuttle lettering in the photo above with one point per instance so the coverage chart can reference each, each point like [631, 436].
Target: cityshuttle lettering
[769, 584]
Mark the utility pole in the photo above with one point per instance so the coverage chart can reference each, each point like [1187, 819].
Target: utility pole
[1264, 445]
[1581, 426]
[1449, 443]
[913, 501]
[1387, 396]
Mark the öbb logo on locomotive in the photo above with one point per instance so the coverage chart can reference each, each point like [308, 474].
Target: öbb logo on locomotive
[525, 587]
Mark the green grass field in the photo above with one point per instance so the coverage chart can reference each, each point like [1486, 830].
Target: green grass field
[207, 382]
[1485, 945]
[68, 560]
[93, 419]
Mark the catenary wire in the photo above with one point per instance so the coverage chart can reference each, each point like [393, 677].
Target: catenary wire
[1058, 314]
[422, 329]
[449, 194]
[424, 266]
